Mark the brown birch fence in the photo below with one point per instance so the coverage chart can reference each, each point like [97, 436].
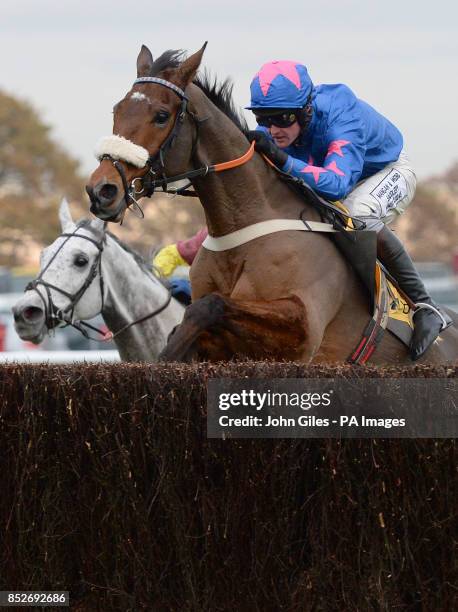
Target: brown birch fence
[109, 488]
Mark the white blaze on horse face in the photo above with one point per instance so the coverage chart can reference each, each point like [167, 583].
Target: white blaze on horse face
[139, 96]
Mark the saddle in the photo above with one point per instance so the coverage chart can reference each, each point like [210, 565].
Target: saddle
[392, 309]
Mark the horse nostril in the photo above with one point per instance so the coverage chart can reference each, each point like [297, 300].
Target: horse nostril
[31, 314]
[107, 192]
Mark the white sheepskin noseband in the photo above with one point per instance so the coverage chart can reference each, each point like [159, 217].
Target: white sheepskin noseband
[120, 148]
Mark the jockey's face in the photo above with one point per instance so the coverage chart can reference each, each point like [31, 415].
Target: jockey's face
[283, 137]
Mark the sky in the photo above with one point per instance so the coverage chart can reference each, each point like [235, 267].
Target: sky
[74, 59]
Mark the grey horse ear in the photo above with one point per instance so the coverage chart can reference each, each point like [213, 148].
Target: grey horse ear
[98, 225]
[65, 216]
[144, 62]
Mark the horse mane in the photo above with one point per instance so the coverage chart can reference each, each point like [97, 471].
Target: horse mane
[221, 96]
[139, 259]
[218, 93]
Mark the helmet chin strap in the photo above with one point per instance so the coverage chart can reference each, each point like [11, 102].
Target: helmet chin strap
[305, 116]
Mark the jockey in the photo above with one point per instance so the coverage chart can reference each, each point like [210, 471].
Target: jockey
[345, 150]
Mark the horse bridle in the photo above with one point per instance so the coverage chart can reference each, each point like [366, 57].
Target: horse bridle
[55, 316]
[154, 174]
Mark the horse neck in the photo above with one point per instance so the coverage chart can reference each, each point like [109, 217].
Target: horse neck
[254, 192]
[250, 193]
[131, 293]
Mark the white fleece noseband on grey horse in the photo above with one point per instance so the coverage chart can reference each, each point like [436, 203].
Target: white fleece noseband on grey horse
[122, 149]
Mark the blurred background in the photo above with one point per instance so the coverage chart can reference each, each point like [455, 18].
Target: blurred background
[64, 66]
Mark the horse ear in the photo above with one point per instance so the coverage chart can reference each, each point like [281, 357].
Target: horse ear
[65, 216]
[187, 70]
[144, 62]
[98, 225]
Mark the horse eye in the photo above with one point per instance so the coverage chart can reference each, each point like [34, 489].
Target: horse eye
[80, 261]
[161, 117]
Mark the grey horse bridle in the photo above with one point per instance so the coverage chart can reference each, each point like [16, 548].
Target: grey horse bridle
[55, 316]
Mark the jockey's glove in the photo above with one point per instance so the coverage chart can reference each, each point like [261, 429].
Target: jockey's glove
[267, 147]
[168, 259]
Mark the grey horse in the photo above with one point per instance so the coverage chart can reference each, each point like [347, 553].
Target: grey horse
[86, 271]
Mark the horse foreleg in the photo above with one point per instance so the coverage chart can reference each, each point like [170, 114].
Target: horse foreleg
[219, 328]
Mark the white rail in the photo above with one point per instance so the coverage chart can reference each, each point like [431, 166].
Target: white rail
[59, 356]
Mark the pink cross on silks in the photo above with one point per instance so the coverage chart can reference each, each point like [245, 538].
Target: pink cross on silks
[333, 167]
[315, 170]
[268, 73]
[336, 147]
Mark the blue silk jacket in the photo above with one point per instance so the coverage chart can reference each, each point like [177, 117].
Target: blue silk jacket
[346, 142]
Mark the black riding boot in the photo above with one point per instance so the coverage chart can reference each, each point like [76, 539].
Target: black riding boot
[427, 322]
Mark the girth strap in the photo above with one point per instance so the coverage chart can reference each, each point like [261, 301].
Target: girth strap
[264, 228]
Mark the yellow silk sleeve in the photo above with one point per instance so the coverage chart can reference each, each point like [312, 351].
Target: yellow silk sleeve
[168, 259]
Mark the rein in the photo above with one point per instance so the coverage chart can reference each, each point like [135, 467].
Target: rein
[108, 336]
[154, 176]
[54, 316]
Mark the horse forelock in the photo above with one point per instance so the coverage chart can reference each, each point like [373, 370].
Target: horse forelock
[220, 93]
[169, 60]
[88, 224]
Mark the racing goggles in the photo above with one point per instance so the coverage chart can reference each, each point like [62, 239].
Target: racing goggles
[281, 120]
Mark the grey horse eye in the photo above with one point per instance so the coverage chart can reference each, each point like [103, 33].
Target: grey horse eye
[81, 261]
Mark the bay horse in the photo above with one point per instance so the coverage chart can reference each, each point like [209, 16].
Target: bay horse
[86, 271]
[288, 295]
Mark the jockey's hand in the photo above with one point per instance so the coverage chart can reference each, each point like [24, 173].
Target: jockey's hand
[264, 145]
[168, 259]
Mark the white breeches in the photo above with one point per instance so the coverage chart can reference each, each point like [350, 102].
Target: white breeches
[379, 199]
